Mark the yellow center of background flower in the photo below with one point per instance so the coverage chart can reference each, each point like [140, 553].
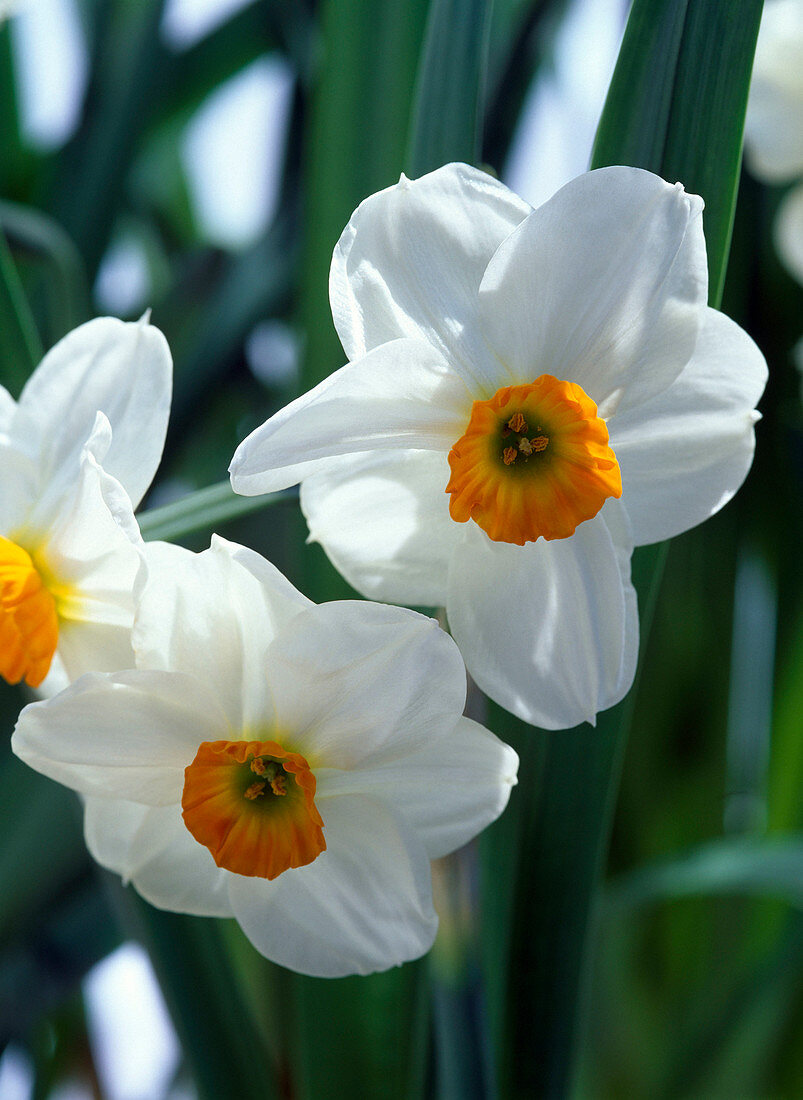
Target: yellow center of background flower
[252, 805]
[29, 625]
[534, 462]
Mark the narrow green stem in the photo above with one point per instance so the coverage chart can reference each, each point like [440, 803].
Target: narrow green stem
[20, 347]
[205, 508]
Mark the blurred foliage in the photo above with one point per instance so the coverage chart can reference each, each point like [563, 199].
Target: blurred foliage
[697, 985]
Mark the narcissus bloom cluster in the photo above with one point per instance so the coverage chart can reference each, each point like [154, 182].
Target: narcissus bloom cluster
[531, 394]
[77, 453]
[294, 766]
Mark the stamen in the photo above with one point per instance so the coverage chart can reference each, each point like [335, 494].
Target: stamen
[259, 828]
[543, 486]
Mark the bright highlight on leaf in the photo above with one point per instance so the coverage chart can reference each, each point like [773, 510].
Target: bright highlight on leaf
[534, 462]
[559, 374]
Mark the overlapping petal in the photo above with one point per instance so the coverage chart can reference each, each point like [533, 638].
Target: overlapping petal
[363, 905]
[547, 629]
[615, 303]
[337, 666]
[684, 454]
[384, 521]
[449, 789]
[122, 369]
[127, 736]
[150, 846]
[410, 262]
[213, 616]
[401, 395]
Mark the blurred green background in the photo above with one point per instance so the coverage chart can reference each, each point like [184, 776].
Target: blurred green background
[682, 974]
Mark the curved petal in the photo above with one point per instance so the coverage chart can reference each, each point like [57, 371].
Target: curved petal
[19, 489]
[401, 395]
[356, 681]
[410, 261]
[213, 615]
[684, 454]
[365, 904]
[604, 285]
[151, 846]
[449, 790]
[384, 522]
[8, 406]
[127, 736]
[547, 629]
[789, 232]
[120, 368]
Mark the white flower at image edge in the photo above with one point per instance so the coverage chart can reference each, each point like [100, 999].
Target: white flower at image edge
[559, 372]
[78, 452]
[774, 123]
[291, 765]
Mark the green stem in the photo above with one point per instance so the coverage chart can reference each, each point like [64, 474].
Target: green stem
[205, 508]
[20, 347]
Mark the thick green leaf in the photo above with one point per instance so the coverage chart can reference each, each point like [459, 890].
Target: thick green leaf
[446, 123]
[20, 347]
[203, 510]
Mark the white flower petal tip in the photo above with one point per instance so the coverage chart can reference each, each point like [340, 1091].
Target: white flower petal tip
[78, 452]
[344, 721]
[436, 466]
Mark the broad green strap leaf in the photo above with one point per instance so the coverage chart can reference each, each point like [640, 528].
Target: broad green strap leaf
[20, 348]
[740, 865]
[446, 123]
[676, 106]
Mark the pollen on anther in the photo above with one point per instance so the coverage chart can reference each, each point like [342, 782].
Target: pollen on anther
[279, 784]
[509, 455]
[256, 790]
[517, 423]
[524, 446]
[540, 443]
[258, 766]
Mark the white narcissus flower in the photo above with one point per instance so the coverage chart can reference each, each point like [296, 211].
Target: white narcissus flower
[294, 766]
[77, 453]
[531, 394]
[774, 124]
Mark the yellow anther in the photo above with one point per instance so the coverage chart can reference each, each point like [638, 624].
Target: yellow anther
[509, 455]
[517, 423]
[256, 790]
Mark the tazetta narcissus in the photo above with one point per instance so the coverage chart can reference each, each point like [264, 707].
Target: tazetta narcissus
[531, 393]
[291, 765]
[77, 453]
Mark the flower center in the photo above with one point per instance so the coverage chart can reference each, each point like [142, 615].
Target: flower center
[534, 462]
[252, 805]
[29, 625]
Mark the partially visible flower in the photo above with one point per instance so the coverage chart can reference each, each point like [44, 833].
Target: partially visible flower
[531, 394]
[290, 765]
[77, 453]
[774, 124]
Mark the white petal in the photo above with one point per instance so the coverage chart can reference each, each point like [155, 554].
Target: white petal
[449, 790]
[122, 369]
[603, 285]
[357, 681]
[8, 406]
[685, 453]
[130, 735]
[365, 904]
[401, 395]
[384, 521]
[789, 232]
[547, 629]
[213, 615]
[151, 846]
[18, 488]
[410, 261]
